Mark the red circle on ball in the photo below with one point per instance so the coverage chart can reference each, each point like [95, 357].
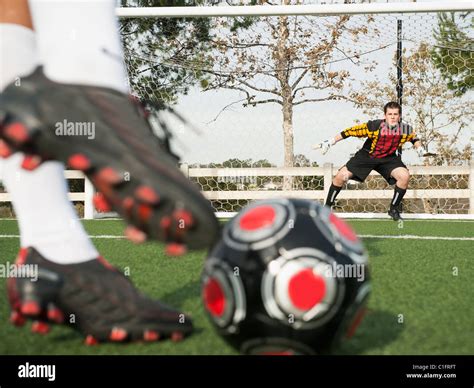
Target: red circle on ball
[258, 218]
[306, 289]
[214, 297]
[343, 228]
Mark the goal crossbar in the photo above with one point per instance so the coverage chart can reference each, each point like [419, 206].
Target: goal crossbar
[281, 10]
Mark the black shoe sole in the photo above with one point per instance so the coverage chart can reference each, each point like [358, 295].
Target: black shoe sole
[134, 175]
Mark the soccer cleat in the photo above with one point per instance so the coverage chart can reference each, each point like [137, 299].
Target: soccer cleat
[395, 214]
[103, 133]
[335, 206]
[92, 297]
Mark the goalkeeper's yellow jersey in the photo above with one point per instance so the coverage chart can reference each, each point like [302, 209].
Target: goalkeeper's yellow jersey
[382, 140]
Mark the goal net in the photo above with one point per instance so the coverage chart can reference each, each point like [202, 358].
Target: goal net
[260, 84]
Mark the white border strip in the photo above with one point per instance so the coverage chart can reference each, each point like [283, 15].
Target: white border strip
[105, 236]
[383, 216]
[310, 9]
[413, 237]
[356, 216]
[362, 236]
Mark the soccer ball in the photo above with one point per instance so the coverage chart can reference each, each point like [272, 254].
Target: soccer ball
[287, 277]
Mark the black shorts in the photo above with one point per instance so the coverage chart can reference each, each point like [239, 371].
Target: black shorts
[361, 164]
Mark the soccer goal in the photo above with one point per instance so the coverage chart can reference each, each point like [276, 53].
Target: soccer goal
[261, 84]
[258, 85]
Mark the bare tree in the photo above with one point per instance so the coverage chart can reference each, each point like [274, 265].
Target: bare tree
[288, 61]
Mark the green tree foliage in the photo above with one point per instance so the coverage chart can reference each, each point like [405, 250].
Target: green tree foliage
[453, 54]
[158, 52]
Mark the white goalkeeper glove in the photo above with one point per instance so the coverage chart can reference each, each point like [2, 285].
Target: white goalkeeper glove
[421, 151]
[324, 146]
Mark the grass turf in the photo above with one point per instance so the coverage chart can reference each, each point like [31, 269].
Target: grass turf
[418, 305]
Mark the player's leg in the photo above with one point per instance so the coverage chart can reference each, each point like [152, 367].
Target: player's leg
[79, 42]
[72, 279]
[401, 177]
[84, 83]
[15, 12]
[342, 176]
[395, 172]
[357, 168]
[47, 220]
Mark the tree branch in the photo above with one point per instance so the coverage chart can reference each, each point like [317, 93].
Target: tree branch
[263, 90]
[225, 108]
[253, 103]
[307, 87]
[331, 97]
[295, 84]
[240, 45]
[345, 55]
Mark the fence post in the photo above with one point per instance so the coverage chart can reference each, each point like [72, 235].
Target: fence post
[185, 169]
[327, 168]
[88, 200]
[471, 187]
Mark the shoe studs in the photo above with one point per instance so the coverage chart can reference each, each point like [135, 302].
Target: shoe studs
[175, 249]
[117, 334]
[79, 162]
[16, 133]
[135, 235]
[31, 162]
[91, 340]
[40, 327]
[151, 336]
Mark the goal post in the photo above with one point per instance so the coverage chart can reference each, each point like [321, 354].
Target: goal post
[295, 10]
[265, 82]
[259, 85]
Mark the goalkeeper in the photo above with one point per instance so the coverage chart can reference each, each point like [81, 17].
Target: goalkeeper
[381, 152]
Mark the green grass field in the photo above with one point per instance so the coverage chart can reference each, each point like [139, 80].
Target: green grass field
[419, 305]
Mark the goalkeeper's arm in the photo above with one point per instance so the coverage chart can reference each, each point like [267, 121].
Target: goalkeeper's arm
[337, 138]
[420, 150]
[361, 130]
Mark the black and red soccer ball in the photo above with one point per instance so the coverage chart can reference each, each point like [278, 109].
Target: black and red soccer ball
[287, 277]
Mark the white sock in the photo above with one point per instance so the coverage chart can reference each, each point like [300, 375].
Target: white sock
[46, 217]
[79, 42]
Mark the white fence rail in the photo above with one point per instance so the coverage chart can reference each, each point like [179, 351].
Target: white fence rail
[327, 172]
[86, 196]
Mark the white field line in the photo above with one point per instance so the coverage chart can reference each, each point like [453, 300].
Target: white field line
[402, 237]
[413, 237]
[104, 236]
[468, 218]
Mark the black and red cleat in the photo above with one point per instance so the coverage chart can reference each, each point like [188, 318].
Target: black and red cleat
[114, 145]
[394, 212]
[92, 297]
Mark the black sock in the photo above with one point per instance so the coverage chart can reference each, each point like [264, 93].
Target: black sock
[333, 192]
[397, 197]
